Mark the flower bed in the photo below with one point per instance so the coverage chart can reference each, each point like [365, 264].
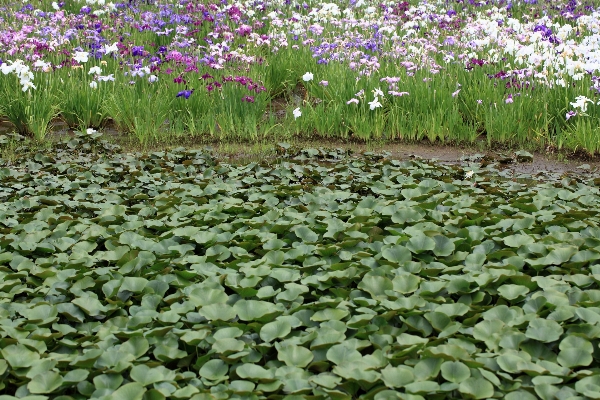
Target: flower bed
[514, 72]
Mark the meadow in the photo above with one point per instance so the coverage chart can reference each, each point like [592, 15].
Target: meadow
[314, 274]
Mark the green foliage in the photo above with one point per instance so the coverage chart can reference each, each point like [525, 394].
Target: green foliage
[32, 111]
[172, 275]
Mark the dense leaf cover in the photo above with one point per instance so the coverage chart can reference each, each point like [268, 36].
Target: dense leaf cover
[171, 275]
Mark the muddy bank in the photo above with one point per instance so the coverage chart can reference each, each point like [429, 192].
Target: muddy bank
[551, 162]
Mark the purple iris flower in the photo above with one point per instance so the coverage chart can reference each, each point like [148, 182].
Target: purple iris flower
[546, 32]
[137, 51]
[185, 93]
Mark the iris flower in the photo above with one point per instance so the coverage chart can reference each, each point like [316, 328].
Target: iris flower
[27, 85]
[374, 104]
[81, 56]
[399, 94]
[297, 113]
[581, 102]
[185, 93]
[95, 70]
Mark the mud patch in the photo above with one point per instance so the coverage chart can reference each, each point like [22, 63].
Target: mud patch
[478, 154]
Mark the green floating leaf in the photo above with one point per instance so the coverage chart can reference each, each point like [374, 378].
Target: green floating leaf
[255, 310]
[455, 371]
[589, 386]
[544, 330]
[294, 356]
[227, 346]
[397, 377]
[329, 314]
[305, 234]
[343, 354]
[134, 284]
[45, 383]
[214, 369]
[513, 292]
[575, 351]
[137, 346]
[147, 376]
[254, 372]
[443, 246]
[420, 243]
[518, 240]
[520, 395]
[396, 254]
[19, 356]
[422, 387]
[130, 391]
[218, 312]
[76, 375]
[206, 297]
[114, 210]
[375, 285]
[477, 388]
[274, 330]
[108, 381]
[405, 284]
[574, 357]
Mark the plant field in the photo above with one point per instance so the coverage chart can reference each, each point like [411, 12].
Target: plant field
[322, 276]
[511, 72]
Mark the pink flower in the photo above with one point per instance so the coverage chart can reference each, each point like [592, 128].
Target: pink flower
[355, 101]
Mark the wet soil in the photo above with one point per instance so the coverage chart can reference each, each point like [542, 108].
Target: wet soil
[548, 162]
[541, 162]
